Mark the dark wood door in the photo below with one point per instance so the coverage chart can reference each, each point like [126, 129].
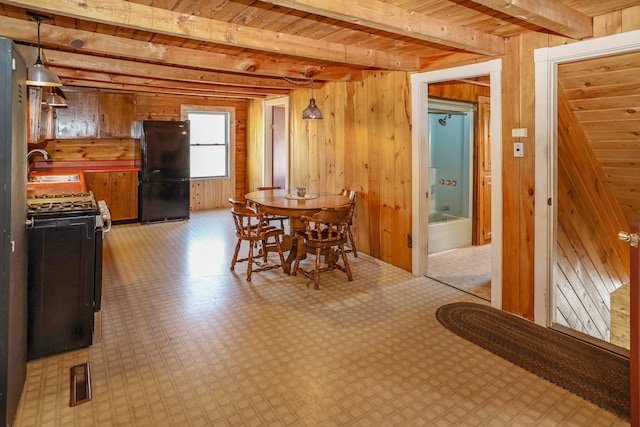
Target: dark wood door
[635, 329]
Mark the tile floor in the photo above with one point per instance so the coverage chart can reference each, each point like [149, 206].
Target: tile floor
[186, 342]
[467, 269]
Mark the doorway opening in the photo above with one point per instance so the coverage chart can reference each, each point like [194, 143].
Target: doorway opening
[276, 147]
[555, 283]
[457, 257]
[451, 136]
[421, 185]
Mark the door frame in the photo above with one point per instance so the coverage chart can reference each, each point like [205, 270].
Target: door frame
[420, 174]
[267, 158]
[546, 134]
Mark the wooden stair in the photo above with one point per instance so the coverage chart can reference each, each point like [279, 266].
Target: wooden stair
[620, 316]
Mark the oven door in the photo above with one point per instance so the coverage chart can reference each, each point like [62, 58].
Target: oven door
[61, 275]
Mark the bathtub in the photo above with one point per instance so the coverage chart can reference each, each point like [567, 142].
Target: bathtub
[448, 232]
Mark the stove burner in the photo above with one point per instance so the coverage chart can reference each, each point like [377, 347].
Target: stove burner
[60, 195]
[65, 203]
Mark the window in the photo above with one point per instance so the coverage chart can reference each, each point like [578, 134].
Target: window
[209, 143]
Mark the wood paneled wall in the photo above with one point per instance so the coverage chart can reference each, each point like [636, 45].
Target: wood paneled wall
[255, 146]
[363, 144]
[592, 262]
[459, 90]
[205, 193]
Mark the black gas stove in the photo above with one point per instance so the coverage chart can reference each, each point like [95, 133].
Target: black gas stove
[61, 205]
[65, 271]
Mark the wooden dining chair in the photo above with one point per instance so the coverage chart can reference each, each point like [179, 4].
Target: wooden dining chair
[352, 194]
[250, 226]
[270, 218]
[325, 235]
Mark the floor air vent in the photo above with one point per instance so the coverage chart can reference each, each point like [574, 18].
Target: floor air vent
[80, 384]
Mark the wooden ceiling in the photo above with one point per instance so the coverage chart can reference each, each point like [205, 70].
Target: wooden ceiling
[245, 48]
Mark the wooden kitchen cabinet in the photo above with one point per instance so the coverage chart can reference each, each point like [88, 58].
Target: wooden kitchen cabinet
[93, 114]
[39, 117]
[79, 119]
[119, 189]
[117, 114]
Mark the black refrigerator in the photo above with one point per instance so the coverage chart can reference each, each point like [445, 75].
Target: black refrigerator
[163, 188]
[13, 235]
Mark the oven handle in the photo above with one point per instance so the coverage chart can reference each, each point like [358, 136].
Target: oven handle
[107, 222]
[105, 214]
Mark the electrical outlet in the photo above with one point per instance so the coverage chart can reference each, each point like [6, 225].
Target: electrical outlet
[518, 149]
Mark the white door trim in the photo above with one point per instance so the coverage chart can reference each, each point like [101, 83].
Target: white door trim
[546, 126]
[420, 158]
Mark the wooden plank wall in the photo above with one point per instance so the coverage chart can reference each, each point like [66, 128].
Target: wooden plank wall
[205, 193]
[592, 262]
[255, 146]
[364, 144]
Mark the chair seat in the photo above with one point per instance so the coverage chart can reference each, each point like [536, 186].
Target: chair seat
[271, 218]
[325, 235]
[251, 227]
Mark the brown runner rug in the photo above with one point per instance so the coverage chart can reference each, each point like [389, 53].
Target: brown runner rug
[595, 374]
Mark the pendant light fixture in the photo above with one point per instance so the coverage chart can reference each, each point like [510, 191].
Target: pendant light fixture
[312, 111]
[39, 75]
[55, 98]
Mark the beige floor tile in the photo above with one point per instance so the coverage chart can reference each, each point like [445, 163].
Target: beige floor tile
[186, 342]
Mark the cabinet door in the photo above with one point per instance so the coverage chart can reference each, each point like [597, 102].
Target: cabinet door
[34, 113]
[124, 195]
[117, 113]
[100, 184]
[80, 118]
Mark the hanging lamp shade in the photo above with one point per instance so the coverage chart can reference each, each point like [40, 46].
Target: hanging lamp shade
[312, 111]
[39, 75]
[55, 98]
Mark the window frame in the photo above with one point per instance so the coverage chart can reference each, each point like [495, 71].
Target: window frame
[231, 135]
[226, 144]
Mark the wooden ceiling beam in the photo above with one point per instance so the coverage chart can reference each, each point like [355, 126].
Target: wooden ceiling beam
[56, 58]
[72, 76]
[549, 14]
[388, 17]
[178, 91]
[156, 20]
[89, 42]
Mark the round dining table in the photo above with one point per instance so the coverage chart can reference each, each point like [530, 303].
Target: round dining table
[288, 203]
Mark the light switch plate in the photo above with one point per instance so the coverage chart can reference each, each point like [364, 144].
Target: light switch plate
[519, 132]
[518, 149]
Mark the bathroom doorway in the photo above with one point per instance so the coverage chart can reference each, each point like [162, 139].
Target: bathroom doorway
[457, 257]
[422, 87]
[451, 136]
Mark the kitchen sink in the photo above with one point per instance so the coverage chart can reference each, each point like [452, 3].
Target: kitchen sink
[49, 179]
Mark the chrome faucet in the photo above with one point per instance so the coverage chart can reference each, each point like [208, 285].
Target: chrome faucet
[445, 208]
[39, 150]
[35, 150]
